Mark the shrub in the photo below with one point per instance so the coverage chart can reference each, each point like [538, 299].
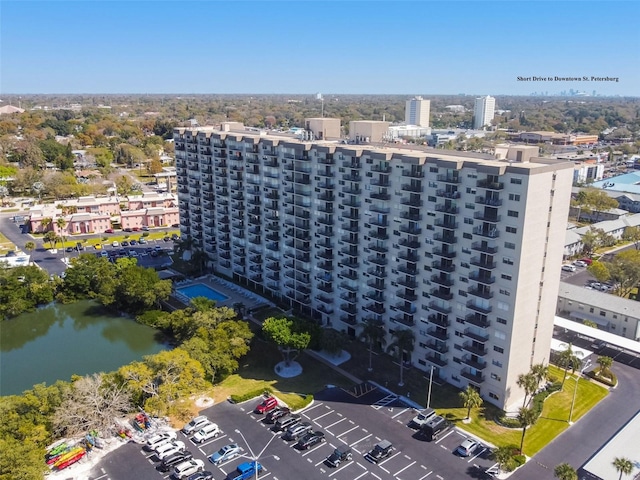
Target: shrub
[301, 403]
[611, 381]
[519, 460]
[554, 387]
[243, 397]
[145, 234]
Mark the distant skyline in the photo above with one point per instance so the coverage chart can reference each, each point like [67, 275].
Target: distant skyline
[302, 47]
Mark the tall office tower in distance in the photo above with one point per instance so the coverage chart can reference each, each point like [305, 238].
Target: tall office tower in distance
[483, 112]
[463, 249]
[417, 111]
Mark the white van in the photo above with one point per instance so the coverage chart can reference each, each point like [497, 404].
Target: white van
[210, 430]
[569, 268]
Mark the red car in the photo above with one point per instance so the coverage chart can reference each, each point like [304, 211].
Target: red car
[136, 229]
[109, 230]
[267, 405]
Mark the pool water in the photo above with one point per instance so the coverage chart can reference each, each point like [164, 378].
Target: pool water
[202, 290]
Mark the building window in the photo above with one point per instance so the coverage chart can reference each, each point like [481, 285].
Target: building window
[500, 335]
[496, 363]
[501, 320]
[591, 310]
[510, 245]
[512, 230]
[503, 306]
[468, 221]
[470, 206]
[467, 236]
[498, 349]
[512, 213]
[516, 181]
[504, 276]
[505, 292]
[603, 313]
[494, 396]
[514, 196]
[495, 377]
[507, 261]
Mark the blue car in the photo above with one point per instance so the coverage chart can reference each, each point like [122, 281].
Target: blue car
[245, 471]
[225, 453]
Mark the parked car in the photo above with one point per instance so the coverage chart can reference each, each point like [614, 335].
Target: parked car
[79, 247]
[125, 243]
[133, 242]
[245, 471]
[136, 229]
[339, 455]
[115, 244]
[126, 230]
[225, 453]
[184, 469]
[294, 432]
[158, 439]
[467, 448]
[569, 268]
[435, 427]
[173, 460]
[209, 430]
[104, 254]
[68, 250]
[285, 422]
[580, 263]
[206, 475]
[588, 261]
[195, 424]
[142, 241]
[144, 229]
[310, 439]
[169, 449]
[275, 414]
[422, 417]
[266, 405]
[166, 239]
[381, 451]
[109, 230]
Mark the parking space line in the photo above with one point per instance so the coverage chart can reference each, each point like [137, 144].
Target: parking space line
[323, 415]
[425, 476]
[363, 438]
[379, 478]
[350, 430]
[382, 468]
[335, 423]
[387, 459]
[481, 452]
[400, 413]
[319, 463]
[403, 469]
[313, 449]
[361, 475]
[306, 410]
[440, 439]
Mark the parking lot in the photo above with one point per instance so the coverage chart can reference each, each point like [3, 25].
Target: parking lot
[358, 420]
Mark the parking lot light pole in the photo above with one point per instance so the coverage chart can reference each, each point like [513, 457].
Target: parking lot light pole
[430, 383]
[575, 390]
[254, 457]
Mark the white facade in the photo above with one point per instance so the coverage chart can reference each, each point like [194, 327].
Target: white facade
[417, 112]
[464, 250]
[483, 111]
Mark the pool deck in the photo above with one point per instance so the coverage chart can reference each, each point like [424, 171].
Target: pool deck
[233, 292]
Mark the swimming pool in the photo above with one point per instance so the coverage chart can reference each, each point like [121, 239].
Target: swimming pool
[202, 290]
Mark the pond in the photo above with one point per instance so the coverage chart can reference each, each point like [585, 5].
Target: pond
[57, 341]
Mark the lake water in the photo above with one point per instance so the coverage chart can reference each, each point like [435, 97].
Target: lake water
[58, 341]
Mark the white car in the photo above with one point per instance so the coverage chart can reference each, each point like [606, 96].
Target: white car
[115, 244]
[195, 424]
[169, 449]
[569, 268]
[210, 430]
[160, 438]
[467, 447]
[580, 263]
[187, 468]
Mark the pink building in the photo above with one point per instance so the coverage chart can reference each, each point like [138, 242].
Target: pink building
[150, 217]
[151, 200]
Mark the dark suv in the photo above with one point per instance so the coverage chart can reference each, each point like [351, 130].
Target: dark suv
[285, 422]
[381, 451]
[339, 455]
[276, 414]
[173, 460]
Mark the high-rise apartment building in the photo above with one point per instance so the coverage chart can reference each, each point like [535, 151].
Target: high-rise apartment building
[483, 111]
[464, 250]
[416, 112]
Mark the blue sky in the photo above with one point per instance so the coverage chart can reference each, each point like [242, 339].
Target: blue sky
[369, 47]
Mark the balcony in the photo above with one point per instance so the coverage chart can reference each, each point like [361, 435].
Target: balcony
[349, 319]
[405, 307]
[407, 282]
[327, 266]
[445, 238]
[374, 295]
[447, 194]
[475, 363]
[380, 182]
[439, 308]
[443, 266]
[380, 196]
[474, 377]
[408, 270]
[439, 333]
[350, 239]
[489, 201]
[406, 320]
[490, 184]
[326, 254]
[325, 173]
[347, 286]
[442, 280]
[351, 202]
[444, 294]
[328, 309]
[478, 337]
[349, 308]
[412, 202]
[409, 256]
[377, 272]
[352, 177]
[447, 208]
[486, 231]
[324, 299]
[375, 308]
[379, 233]
[349, 227]
[351, 164]
[484, 309]
[475, 348]
[406, 295]
[480, 292]
[352, 190]
[405, 242]
[349, 274]
[410, 187]
[414, 217]
[436, 346]
[377, 284]
[483, 263]
[436, 359]
[410, 229]
[378, 248]
[325, 232]
[487, 217]
[484, 248]
[327, 196]
[440, 320]
[350, 251]
[326, 287]
[379, 209]
[448, 178]
[350, 262]
[413, 173]
[482, 278]
[381, 168]
[445, 223]
[478, 320]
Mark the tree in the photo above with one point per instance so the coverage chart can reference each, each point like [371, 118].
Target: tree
[29, 246]
[46, 223]
[502, 455]
[590, 241]
[526, 417]
[154, 166]
[332, 341]
[529, 383]
[62, 224]
[287, 334]
[564, 471]
[51, 237]
[623, 465]
[470, 399]
[595, 199]
[605, 365]
[91, 404]
[569, 360]
[600, 271]
[624, 271]
[541, 372]
[632, 234]
[590, 323]
[403, 341]
[123, 184]
[373, 333]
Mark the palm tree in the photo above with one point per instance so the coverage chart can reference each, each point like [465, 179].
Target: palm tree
[605, 365]
[541, 372]
[529, 383]
[526, 417]
[564, 471]
[470, 399]
[502, 455]
[373, 333]
[623, 466]
[45, 223]
[29, 246]
[51, 238]
[403, 342]
[568, 359]
[62, 224]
